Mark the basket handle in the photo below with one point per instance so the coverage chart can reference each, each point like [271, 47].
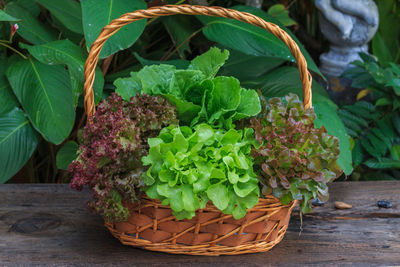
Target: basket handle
[161, 11]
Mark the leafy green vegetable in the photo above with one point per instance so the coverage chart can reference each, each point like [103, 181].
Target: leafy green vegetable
[196, 93]
[112, 145]
[294, 159]
[188, 168]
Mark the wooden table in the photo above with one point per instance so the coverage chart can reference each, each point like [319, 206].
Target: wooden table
[48, 225]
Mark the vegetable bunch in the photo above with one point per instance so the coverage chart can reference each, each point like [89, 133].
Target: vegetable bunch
[188, 168]
[198, 95]
[109, 160]
[294, 160]
[137, 144]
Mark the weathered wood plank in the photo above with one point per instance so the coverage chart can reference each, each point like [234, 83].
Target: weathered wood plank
[48, 225]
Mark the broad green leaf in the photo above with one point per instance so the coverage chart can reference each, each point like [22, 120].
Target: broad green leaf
[219, 195]
[8, 101]
[66, 155]
[110, 78]
[29, 5]
[285, 80]
[186, 110]
[250, 39]
[67, 11]
[359, 77]
[190, 202]
[178, 63]
[389, 27]
[384, 163]
[157, 79]
[238, 64]
[210, 62]
[98, 13]
[66, 53]
[17, 143]
[249, 104]
[358, 120]
[180, 28]
[380, 50]
[327, 117]
[280, 13]
[128, 87]
[243, 189]
[396, 121]
[379, 146]
[357, 154]
[30, 28]
[45, 94]
[395, 152]
[224, 97]
[383, 102]
[5, 17]
[65, 33]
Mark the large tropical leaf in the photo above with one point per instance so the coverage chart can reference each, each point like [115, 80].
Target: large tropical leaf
[45, 94]
[327, 117]
[30, 28]
[5, 17]
[381, 50]
[67, 11]
[65, 52]
[66, 155]
[284, 80]
[29, 5]
[180, 28]
[178, 63]
[7, 99]
[247, 67]
[250, 39]
[98, 13]
[17, 142]
[387, 39]
[384, 163]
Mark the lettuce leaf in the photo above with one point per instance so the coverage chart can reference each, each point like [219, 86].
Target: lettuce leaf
[187, 168]
[198, 95]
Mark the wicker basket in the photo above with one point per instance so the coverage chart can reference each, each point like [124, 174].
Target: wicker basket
[151, 225]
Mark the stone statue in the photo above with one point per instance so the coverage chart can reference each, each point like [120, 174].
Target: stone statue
[348, 25]
[255, 3]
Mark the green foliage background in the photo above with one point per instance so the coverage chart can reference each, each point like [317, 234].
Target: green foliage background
[41, 68]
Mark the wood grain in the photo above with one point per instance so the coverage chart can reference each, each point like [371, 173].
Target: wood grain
[48, 225]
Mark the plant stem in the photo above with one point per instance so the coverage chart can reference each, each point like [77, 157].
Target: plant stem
[106, 64]
[180, 45]
[31, 170]
[53, 162]
[13, 49]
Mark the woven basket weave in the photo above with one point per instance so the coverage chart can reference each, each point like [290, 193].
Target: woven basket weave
[151, 225]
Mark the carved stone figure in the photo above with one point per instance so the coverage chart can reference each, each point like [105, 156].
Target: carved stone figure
[349, 26]
[255, 3]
